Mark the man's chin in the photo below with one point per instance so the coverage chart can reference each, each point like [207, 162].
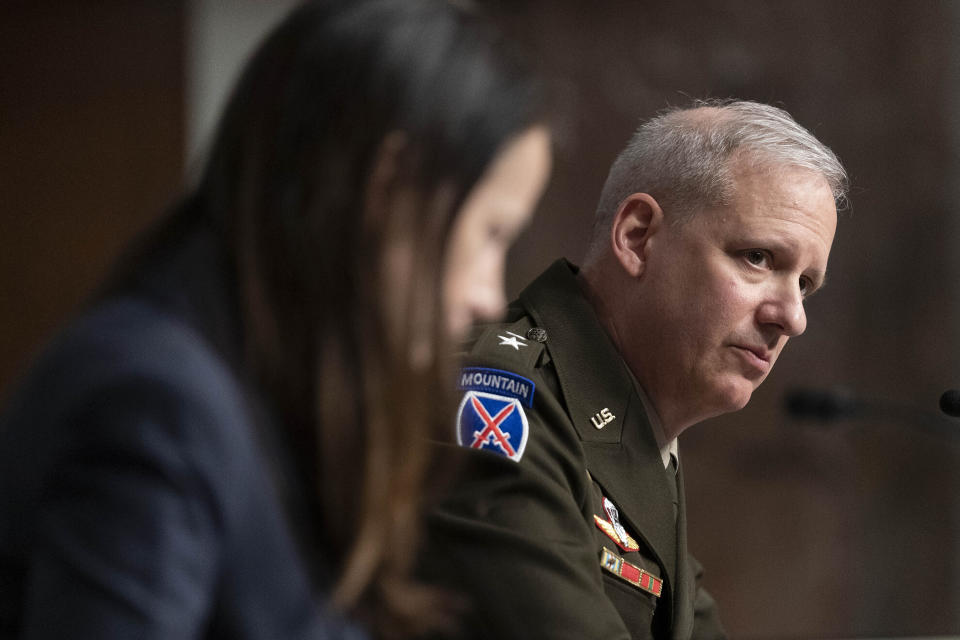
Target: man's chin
[722, 397]
[736, 396]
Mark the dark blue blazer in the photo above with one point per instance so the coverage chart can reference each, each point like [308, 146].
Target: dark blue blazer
[142, 492]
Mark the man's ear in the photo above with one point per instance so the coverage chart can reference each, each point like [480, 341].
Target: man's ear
[638, 218]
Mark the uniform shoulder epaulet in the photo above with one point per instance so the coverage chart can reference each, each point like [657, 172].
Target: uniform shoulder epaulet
[514, 346]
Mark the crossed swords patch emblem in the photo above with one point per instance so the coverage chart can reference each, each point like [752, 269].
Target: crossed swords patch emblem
[491, 422]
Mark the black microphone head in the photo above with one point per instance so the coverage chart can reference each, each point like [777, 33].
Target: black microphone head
[822, 404]
[950, 402]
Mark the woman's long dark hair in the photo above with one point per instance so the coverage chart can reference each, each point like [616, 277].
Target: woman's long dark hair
[340, 88]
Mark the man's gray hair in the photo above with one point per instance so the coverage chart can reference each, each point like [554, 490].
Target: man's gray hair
[681, 158]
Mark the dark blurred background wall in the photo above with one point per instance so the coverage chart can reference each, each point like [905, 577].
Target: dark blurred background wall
[91, 149]
[806, 530]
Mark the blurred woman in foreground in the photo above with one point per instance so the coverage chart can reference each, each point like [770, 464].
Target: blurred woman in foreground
[229, 441]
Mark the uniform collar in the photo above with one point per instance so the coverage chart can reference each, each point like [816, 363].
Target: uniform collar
[592, 374]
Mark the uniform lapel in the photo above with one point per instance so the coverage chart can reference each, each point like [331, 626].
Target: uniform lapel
[622, 455]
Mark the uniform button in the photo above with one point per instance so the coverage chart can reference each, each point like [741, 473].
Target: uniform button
[537, 334]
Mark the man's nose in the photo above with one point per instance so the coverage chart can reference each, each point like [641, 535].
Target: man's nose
[784, 309]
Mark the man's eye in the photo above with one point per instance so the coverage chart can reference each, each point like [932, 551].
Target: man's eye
[757, 257]
[806, 287]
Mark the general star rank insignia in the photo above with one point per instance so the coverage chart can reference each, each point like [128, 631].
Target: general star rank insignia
[492, 422]
[614, 529]
[630, 572]
[515, 340]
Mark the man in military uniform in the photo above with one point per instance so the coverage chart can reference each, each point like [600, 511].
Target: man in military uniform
[567, 520]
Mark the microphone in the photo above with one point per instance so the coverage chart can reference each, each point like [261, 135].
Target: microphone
[950, 403]
[831, 405]
[823, 404]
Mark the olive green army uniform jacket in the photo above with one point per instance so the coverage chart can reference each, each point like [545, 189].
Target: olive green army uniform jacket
[562, 522]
